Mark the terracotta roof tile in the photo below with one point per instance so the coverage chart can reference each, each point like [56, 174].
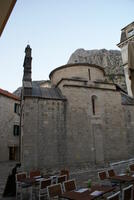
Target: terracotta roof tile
[8, 94]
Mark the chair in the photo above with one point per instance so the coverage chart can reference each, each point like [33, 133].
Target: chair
[111, 172]
[115, 196]
[127, 193]
[131, 167]
[43, 187]
[34, 173]
[61, 179]
[103, 178]
[65, 172]
[54, 190]
[19, 184]
[102, 175]
[69, 185]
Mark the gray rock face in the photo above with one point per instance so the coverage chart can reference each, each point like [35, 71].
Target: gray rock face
[109, 59]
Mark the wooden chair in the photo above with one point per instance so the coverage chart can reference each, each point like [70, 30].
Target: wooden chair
[69, 185]
[111, 172]
[131, 167]
[127, 193]
[102, 175]
[65, 172]
[19, 184]
[54, 191]
[115, 196]
[34, 173]
[61, 179]
[103, 178]
[43, 187]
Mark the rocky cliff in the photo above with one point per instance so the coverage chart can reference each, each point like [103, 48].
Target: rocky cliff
[109, 59]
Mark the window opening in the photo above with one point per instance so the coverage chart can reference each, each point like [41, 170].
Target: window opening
[17, 108]
[13, 153]
[16, 130]
[94, 104]
[89, 74]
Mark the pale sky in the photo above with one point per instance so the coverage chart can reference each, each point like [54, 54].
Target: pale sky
[55, 29]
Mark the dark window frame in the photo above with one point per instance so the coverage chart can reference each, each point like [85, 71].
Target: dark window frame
[89, 74]
[16, 130]
[93, 99]
[17, 108]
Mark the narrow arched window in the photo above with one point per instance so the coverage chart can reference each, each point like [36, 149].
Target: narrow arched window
[94, 99]
[89, 74]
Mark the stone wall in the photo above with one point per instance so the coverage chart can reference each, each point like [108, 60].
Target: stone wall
[44, 139]
[87, 126]
[100, 137]
[7, 120]
[79, 71]
[67, 133]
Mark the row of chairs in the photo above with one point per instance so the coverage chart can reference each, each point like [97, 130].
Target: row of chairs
[57, 189]
[126, 194]
[103, 175]
[47, 189]
[22, 176]
[110, 172]
[70, 185]
[40, 188]
[35, 173]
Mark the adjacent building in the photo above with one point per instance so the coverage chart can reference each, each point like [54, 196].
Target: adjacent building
[9, 126]
[127, 49]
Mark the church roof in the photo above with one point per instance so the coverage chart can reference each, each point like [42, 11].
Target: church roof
[47, 93]
[75, 65]
[126, 100]
[44, 92]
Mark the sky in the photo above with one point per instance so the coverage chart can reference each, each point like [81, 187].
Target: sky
[55, 29]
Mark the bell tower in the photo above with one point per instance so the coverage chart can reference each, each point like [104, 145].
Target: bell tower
[127, 50]
[27, 80]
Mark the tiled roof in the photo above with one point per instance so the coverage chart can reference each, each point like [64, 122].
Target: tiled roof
[47, 93]
[9, 95]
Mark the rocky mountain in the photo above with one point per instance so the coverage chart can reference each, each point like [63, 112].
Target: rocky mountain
[109, 59]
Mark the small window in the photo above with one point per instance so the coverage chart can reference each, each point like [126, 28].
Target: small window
[94, 99]
[89, 74]
[14, 153]
[17, 108]
[16, 130]
[131, 32]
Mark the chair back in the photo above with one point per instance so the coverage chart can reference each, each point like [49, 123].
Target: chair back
[115, 196]
[32, 174]
[102, 175]
[65, 172]
[61, 179]
[45, 183]
[69, 185]
[111, 172]
[21, 176]
[54, 190]
[127, 193]
[131, 167]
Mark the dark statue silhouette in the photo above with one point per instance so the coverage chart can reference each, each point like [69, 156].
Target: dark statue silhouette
[10, 188]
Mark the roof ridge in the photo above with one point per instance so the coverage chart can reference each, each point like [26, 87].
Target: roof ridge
[9, 94]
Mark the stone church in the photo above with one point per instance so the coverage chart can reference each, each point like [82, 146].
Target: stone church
[75, 119]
